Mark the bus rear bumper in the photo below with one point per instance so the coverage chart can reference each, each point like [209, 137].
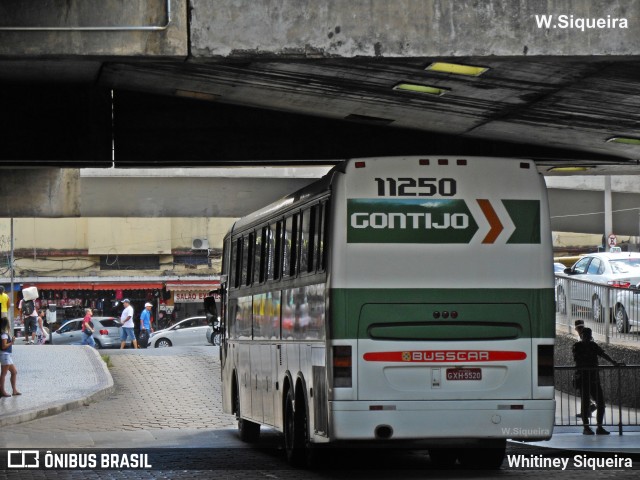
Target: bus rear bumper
[471, 419]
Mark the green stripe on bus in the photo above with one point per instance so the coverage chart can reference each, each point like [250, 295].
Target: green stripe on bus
[405, 314]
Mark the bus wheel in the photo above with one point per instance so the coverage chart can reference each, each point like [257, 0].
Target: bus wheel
[443, 457]
[249, 431]
[483, 458]
[294, 432]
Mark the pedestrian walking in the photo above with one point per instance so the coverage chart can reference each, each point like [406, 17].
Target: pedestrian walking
[6, 360]
[126, 331]
[41, 335]
[87, 328]
[5, 303]
[585, 354]
[30, 321]
[145, 325]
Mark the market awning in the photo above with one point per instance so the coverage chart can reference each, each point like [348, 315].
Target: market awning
[98, 286]
[62, 286]
[191, 286]
[128, 286]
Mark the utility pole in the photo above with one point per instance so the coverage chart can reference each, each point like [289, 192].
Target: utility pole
[608, 214]
[12, 308]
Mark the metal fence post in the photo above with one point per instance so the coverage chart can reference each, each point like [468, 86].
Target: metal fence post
[567, 302]
[619, 370]
[606, 314]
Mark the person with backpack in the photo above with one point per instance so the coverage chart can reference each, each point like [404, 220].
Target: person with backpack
[30, 319]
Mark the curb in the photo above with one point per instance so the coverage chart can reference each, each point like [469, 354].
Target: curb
[105, 387]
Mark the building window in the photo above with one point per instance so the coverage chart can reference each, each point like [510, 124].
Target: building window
[189, 260]
[129, 262]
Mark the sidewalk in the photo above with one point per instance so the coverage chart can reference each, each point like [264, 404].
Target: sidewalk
[53, 379]
[571, 438]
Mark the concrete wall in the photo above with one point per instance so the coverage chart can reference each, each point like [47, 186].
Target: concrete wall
[407, 28]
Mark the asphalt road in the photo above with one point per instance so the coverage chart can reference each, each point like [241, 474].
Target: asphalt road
[166, 405]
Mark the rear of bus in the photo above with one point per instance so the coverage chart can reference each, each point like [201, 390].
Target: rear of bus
[441, 311]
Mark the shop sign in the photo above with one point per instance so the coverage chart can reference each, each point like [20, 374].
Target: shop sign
[189, 297]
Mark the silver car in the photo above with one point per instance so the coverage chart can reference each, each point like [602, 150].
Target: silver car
[106, 332]
[611, 270]
[190, 331]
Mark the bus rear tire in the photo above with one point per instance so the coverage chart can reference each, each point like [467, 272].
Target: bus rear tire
[248, 431]
[295, 432]
[483, 458]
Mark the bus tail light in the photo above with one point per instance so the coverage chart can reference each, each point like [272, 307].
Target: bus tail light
[545, 366]
[342, 371]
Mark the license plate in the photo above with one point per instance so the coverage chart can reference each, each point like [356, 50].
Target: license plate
[464, 374]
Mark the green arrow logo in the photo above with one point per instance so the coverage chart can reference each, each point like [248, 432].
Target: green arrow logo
[437, 221]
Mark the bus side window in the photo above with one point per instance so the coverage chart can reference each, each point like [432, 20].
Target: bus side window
[290, 243]
[322, 236]
[278, 252]
[236, 253]
[246, 259]
[306, 241]
[258, 255]
[270, 248]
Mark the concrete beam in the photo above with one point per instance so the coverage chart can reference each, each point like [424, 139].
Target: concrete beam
[39, 192]
[86, 28]
[412, 28]
[52, 193]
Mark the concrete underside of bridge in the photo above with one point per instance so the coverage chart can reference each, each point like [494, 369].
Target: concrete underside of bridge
[190, 83]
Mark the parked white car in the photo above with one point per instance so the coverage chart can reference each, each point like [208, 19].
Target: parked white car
[606, 270]
[190, 331]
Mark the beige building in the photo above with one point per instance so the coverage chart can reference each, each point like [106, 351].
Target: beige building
[95, 262]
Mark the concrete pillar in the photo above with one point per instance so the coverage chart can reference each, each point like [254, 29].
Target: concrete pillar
[608, 211]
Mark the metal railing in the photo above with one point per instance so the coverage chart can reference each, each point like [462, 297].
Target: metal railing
[611, 312]
[620, 395]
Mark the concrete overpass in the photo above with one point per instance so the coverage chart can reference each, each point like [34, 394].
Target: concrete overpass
[577, 203]
[177, 83]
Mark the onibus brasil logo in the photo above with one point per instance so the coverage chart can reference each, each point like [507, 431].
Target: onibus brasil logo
[373, 220]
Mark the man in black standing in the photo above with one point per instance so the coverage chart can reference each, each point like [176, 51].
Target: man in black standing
[585, 354]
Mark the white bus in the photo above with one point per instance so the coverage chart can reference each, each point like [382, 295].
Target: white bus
[404, 300]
